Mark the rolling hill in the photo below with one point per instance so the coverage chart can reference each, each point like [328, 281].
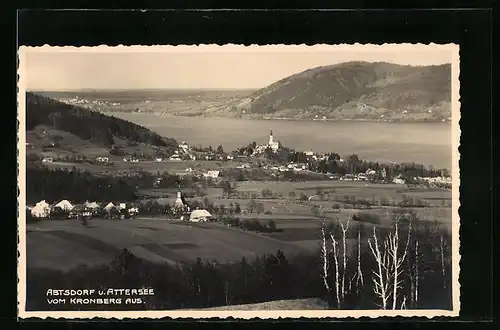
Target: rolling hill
[52, 125]
[352, 90]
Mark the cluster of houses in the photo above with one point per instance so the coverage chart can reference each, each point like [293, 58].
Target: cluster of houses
[69, 210]
[367, 175]
[289, 167]
[440, 181]
[65, 209]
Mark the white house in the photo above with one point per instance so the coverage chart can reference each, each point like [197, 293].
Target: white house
[212, 174]
[309, 153]
[398, 180]
[48, 160]
[200, 216]
[92, 206]
[109, 207]
[41, 209]
[103, 159]
[133, 211]
[65, 205]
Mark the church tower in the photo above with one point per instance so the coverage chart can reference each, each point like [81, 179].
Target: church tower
[179, 203]
[271, 139]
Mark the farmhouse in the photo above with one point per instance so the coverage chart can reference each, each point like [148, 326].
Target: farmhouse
[41, 209]
[108, 208]
[398, 180]
[130, 159]
[64, 205]
[211, 174]
[80, 211]
[102, 159]
[92, 206]
[200, 216]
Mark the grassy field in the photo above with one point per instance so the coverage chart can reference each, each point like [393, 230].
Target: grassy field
[66, 244]
[147, 166]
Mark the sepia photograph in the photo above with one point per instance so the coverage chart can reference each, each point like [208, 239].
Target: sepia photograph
[239, 181]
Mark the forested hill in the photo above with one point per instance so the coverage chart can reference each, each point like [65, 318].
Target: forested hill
[86, 124]
[353, 90]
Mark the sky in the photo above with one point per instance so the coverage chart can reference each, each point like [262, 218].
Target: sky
[202, 67]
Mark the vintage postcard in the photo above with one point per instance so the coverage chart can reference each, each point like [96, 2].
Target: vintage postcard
[239, 181]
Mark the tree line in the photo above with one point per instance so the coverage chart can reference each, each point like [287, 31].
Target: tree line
[77, 186]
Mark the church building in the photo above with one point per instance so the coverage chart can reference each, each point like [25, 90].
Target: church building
[272, 144]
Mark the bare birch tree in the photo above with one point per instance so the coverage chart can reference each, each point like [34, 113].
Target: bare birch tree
[344, 254]
[324, 256]
[335, 259]
[417, 265]
[358, 276]
[380, 280]
[397, 260]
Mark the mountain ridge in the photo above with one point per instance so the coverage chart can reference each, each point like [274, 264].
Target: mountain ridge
[351, 90]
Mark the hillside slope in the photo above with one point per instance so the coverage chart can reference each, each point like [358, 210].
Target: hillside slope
[87, 125]
[352, 90]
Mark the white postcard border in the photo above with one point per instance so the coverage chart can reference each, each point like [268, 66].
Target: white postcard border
[261, 314]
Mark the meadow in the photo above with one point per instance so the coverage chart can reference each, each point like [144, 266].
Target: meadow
[66, 243]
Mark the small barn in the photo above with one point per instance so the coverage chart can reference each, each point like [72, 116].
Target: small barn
[200, 216]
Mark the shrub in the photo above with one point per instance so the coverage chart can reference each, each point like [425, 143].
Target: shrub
[367, 218]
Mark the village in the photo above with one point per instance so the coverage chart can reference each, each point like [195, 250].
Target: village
[245, 159]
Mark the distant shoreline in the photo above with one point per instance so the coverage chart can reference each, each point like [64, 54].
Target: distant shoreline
[288, 119]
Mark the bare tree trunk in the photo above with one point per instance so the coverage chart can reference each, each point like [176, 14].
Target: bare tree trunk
[397, 260]
[344, 261]
[360, 273]
[379, 279]
[412, 282]
[324, 255]
[403, 304]
[334, 244]
[416, 273]
[395, 245]
[441, 248]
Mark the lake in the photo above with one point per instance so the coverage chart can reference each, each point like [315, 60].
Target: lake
[424, 143]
